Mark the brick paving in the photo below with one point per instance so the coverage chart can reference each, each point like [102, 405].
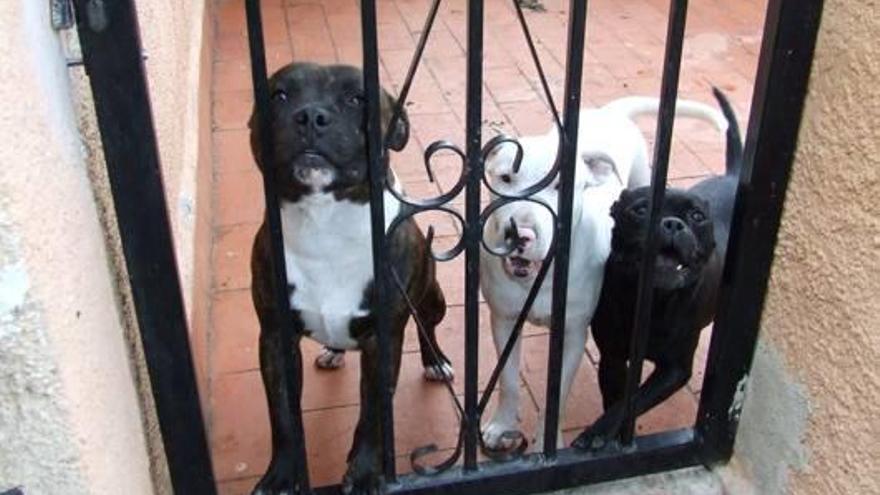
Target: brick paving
[624, 53]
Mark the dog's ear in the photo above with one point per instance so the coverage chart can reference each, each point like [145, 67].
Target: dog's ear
[621, 203]
[399, 135]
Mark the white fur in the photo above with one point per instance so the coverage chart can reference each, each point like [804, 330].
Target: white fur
[609, 134]
[329, 257]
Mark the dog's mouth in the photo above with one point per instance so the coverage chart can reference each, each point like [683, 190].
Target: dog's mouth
[519, 267]
[312, 168]
[670, 269]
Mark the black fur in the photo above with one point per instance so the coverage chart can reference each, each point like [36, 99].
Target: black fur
[335, 94]
[693, 237]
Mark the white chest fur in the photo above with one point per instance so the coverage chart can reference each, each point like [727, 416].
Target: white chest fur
[329, 258]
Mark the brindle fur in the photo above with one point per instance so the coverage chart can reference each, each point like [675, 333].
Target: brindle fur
[409, 256]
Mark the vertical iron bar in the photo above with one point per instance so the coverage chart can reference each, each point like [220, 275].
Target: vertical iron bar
[474, 139]
[276, 240]
[567, 150]
[663, 143]
[790, 32]
[111, 46]
[376, 155]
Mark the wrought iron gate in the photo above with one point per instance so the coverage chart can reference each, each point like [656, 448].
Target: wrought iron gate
[112, 56]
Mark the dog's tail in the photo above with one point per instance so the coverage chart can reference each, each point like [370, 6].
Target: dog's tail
[734, 156]
[634, 106]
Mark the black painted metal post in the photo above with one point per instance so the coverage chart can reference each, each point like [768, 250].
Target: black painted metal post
[790, 32]
[473, 231]
[111, 46]
[662, 146]
[381, 286]
[567, 154]
[273, 216]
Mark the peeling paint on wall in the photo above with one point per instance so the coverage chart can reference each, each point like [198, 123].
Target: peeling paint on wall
[739, 398]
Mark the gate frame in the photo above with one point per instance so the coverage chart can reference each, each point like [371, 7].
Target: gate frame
[110, 41]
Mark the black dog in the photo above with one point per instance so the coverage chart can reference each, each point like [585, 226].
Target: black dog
[693, 233]
[320, 166]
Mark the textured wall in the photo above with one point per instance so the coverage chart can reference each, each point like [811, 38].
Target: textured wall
[70, 419]
[176, 40]
[823, 308]
[76, 413]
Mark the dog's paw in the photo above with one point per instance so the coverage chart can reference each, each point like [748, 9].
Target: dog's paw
[439, 373]
[601, 434]
[364, 474]
[372, 484]
[501, 434]
[280, 479]
[330, 359]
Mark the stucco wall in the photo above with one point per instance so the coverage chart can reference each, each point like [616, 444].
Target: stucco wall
[77, 415]
[70, 419]
[821, 326]
[176, 40]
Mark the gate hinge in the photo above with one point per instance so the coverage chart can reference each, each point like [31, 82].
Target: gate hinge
[61, 13]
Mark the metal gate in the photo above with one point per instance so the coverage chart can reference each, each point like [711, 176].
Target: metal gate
[112, 56]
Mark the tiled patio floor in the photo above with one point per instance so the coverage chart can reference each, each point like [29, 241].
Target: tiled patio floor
[623, 57]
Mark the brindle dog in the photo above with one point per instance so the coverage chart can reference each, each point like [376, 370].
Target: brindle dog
[320, 164]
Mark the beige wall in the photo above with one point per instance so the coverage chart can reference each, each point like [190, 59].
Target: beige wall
[812, 419]
[70, 419]
[76, 413]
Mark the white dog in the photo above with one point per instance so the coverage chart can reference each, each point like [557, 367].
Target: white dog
[612, 155]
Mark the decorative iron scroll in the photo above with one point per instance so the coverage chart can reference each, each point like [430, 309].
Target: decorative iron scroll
[440, 203]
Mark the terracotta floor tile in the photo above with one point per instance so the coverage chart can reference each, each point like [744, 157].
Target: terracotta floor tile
[232, 75]
[679, 411]
[232, 109]
[508, 84]
[275, 26]
[237, 487]
[393, 34]
[699, 372]
[231, 256]
[234, 333]
[584, 403]
[230, 48]
[408, 164]
[229, 18]
[309, 34]
[446, 229]
[240, 426]
[443, 126]
[451, 337]
[232, 151]
[238, 198]
[529, 119]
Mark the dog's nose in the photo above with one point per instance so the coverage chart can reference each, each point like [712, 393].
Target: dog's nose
[672, 225]
[524, 236]
[313, 117]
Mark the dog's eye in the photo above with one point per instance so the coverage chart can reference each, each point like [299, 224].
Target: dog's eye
[641, 209]
[698, 216]
[279, 95]
[506, 178]
[356, 100]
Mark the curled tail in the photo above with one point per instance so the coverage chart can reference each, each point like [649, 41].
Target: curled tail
[734, 156]
[634, 106]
